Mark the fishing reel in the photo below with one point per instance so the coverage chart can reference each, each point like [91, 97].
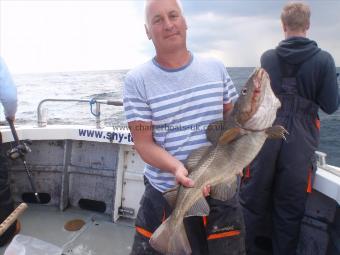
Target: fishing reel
[19, 150]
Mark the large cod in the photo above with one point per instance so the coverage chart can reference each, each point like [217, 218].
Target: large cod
[235, 143]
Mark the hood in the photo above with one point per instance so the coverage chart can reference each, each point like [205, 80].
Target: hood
[296, 50]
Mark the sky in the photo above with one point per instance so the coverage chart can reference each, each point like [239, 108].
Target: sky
[83, 35]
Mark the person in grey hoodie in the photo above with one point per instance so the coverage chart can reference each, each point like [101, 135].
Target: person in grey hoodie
[8, 98]
[279, 179]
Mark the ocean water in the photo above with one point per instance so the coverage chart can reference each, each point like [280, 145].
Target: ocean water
[32, 88]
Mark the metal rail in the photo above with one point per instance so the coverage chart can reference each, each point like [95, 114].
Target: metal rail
[43, 123]
[321, 161]
[321, 158]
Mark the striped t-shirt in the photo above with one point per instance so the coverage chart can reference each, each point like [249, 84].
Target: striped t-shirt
[180, 103]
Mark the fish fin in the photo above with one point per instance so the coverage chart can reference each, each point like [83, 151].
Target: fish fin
[167, 240]
[214, 131]
[171, 196]
[179, 243]
[159, 240]
[195, 156]
[200, 208]
[229, 135]
[277, 132]
[224, 191]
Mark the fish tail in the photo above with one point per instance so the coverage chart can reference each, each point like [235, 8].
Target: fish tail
[170, 240]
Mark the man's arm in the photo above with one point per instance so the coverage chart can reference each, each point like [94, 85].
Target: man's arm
[227, 109]
[328, 94]
[155, 155]
[216, 129]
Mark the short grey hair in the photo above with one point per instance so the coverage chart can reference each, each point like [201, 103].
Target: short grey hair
[296, 16]
[146, 2]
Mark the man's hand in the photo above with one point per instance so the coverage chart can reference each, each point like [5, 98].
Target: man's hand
[181, 174]
[206, 190]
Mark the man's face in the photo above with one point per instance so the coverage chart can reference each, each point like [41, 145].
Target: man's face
[166, 26]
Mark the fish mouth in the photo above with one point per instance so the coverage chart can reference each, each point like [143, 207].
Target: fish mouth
[265, 105]
[259, 78]
[263, 77]
[252, 107]
[259, 81]
[259, 86]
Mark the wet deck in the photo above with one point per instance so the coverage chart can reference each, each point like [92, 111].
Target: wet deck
[99, 236]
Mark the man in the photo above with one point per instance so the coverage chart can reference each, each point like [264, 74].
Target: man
[174, 90]
[8, 98]
[278, 180]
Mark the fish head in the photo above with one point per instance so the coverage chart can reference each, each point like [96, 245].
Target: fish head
[257, 104]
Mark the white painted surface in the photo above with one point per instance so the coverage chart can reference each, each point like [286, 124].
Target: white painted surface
[327, 179]
[328, 182]
[71, 132]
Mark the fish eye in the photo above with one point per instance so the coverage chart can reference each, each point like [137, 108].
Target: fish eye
[244, 91]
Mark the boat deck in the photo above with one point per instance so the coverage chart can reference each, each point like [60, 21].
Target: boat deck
[99, 236]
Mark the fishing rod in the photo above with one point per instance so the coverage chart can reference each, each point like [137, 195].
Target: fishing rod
[20, 149]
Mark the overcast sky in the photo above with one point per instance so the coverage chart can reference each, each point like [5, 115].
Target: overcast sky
[53, 36]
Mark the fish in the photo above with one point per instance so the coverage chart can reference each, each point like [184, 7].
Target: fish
[235, 142]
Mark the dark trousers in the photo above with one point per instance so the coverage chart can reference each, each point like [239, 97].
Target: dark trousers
[6, 202]
[276, 189]
[222, 232]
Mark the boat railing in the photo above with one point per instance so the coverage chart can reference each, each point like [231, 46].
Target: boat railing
[42, 114]
[321, 158]
[321, 162]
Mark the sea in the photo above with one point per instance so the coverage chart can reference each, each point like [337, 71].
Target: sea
[32, 88]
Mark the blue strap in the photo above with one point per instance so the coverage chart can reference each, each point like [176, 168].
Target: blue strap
[92, 102]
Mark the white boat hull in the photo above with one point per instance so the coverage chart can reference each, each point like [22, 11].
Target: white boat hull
[73, 163]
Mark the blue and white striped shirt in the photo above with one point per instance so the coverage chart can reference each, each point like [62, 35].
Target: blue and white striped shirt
[180, 103]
